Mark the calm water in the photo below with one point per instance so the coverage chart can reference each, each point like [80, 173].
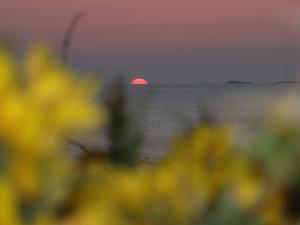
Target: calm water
[161, 111]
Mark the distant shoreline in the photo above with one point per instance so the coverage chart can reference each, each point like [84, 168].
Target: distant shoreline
[229, 83]
[287, 82]
[232, 81]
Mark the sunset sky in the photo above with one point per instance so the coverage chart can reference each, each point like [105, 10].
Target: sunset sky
[167, 41]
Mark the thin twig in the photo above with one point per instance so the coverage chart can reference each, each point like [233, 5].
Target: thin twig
[69, 36]
[81, 146]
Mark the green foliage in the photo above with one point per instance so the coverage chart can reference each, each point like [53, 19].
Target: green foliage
[125, 143]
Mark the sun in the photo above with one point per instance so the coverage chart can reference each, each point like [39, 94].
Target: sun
[139, 81]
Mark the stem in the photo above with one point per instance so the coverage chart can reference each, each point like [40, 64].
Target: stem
[69, 36]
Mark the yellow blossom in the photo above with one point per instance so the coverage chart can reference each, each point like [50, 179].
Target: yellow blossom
[9, 211]
[40, 109]
[7, 72]
[273, 212]
[247, 185]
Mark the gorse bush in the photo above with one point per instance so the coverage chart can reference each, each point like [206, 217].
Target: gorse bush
[208, 178]
[42, 105]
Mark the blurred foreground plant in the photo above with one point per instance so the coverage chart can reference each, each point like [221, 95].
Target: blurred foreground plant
[125, 144]
[42, 105]
[207, 178]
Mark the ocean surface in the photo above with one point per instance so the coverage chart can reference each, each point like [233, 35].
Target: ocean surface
[159, 112]
[162, 111]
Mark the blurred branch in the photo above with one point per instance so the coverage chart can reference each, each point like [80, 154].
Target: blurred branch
[69, 36]
[81, 147]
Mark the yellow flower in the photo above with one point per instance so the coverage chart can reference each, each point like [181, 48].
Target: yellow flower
[273, 212]
[7, 72]
[205, 154]
[38, 62]
[41, 109]
[247, 185]
[25, 174]
[48, 107]
[208, 145]
[9, 212]
[70, 101]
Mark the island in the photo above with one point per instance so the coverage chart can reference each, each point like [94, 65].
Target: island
[287, 82]
[232, 81]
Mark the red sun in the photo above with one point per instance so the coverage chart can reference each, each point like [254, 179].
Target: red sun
[139, 81]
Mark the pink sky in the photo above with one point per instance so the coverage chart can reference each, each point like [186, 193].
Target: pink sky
[151, 23]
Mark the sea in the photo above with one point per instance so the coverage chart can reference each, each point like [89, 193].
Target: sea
[160, 112]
